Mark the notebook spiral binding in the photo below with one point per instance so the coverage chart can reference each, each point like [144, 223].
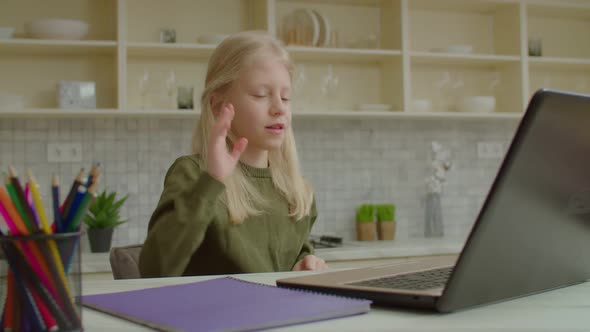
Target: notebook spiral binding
[299, 290]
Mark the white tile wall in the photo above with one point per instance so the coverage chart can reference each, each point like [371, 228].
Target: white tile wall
[348, 161]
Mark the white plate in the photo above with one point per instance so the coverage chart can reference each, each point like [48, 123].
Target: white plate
[309, 25]
[324, 39]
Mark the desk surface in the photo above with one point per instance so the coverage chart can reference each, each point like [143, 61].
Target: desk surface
[565, 309]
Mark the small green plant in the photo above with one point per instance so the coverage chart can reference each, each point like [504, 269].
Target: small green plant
[385, 212]
[365, 213]
[104, 212]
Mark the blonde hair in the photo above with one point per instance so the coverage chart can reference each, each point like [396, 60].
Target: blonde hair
[242, 199]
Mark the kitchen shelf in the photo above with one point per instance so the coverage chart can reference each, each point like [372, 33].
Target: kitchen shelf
[96, 113]
[169, 50]
[478, 6]
[461, 59]
[124, 44]
[60, 113]
[365, 3]
[563, 30]
[303, 53]
[559, 63]
[190, 114]
[56, 47]
[408, 115]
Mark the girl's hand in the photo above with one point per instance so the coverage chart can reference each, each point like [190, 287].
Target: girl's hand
[220, 162]
[309, 263]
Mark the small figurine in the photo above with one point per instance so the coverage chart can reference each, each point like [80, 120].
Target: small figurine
[440, 164]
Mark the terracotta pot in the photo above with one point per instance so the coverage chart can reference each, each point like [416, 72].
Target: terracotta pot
[365, 231]
[386, 230]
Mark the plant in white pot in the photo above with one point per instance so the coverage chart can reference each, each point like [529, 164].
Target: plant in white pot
[102, 218]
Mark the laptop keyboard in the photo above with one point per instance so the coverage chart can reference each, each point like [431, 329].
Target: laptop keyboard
[414, 281]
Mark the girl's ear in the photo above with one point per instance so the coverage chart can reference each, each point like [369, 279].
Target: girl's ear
[215, 103]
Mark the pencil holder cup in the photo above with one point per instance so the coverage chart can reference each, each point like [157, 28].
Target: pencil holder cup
[41, 282]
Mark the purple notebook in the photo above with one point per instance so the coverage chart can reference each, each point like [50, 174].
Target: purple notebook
[223, 304]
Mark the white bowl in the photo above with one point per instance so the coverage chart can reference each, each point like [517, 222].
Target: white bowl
[460, 48]
[57, 29]
[211, 38]
[479, 104]
[6, 32]
[421, 105]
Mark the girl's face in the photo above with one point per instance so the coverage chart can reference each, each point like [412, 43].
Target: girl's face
[260, 97]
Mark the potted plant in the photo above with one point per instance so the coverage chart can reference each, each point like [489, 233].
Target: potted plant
[386, 221]
[102, 218]
[365, 222]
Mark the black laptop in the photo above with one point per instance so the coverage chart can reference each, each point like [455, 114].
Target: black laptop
[531, 235]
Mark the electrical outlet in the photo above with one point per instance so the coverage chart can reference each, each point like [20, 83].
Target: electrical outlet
[490, 150]
[64, 152]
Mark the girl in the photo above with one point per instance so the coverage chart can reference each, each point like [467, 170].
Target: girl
[239, 204]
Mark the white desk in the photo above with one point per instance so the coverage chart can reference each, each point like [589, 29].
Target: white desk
[565, 309]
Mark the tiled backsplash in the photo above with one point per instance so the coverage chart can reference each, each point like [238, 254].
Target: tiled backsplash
[348, 161]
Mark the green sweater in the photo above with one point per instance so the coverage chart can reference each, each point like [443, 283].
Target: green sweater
[190, 233]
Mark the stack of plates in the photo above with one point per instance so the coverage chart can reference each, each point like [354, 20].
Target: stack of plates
[306, 27]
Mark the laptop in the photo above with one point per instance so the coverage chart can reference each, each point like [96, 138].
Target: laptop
[532, 233]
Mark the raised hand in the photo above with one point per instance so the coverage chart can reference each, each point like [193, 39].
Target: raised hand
[221, 162]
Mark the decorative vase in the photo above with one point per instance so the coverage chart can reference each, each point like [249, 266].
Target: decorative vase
[433, 216]
[365, 231]
[386, 230]
[100, 239]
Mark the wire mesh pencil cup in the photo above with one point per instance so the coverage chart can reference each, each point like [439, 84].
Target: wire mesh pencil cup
[40, 282]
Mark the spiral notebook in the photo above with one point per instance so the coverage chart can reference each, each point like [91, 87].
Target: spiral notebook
[223, 304]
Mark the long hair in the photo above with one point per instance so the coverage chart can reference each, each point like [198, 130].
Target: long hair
[241, 197]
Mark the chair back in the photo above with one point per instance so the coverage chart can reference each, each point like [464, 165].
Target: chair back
[125, 261]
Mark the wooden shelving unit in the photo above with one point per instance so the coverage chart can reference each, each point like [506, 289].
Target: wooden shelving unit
[411, 61]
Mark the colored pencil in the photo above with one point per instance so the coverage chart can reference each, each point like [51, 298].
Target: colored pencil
[82, 209]
[15, 224]
[16, 260]
[88, 199]
[18, 228]
[73, 190]
[9, 306]
[47, 230]
[21, 196]
[34, 187]
[32, 309]
[55, 196]
[48, 269]
[39, 257]
[12, 229]
[74, 207]
[16, 312]
[31, 203]
[17, 204]
[92, 174]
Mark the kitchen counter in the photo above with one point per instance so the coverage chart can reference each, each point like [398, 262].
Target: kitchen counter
[350, 250]
[564, 309]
